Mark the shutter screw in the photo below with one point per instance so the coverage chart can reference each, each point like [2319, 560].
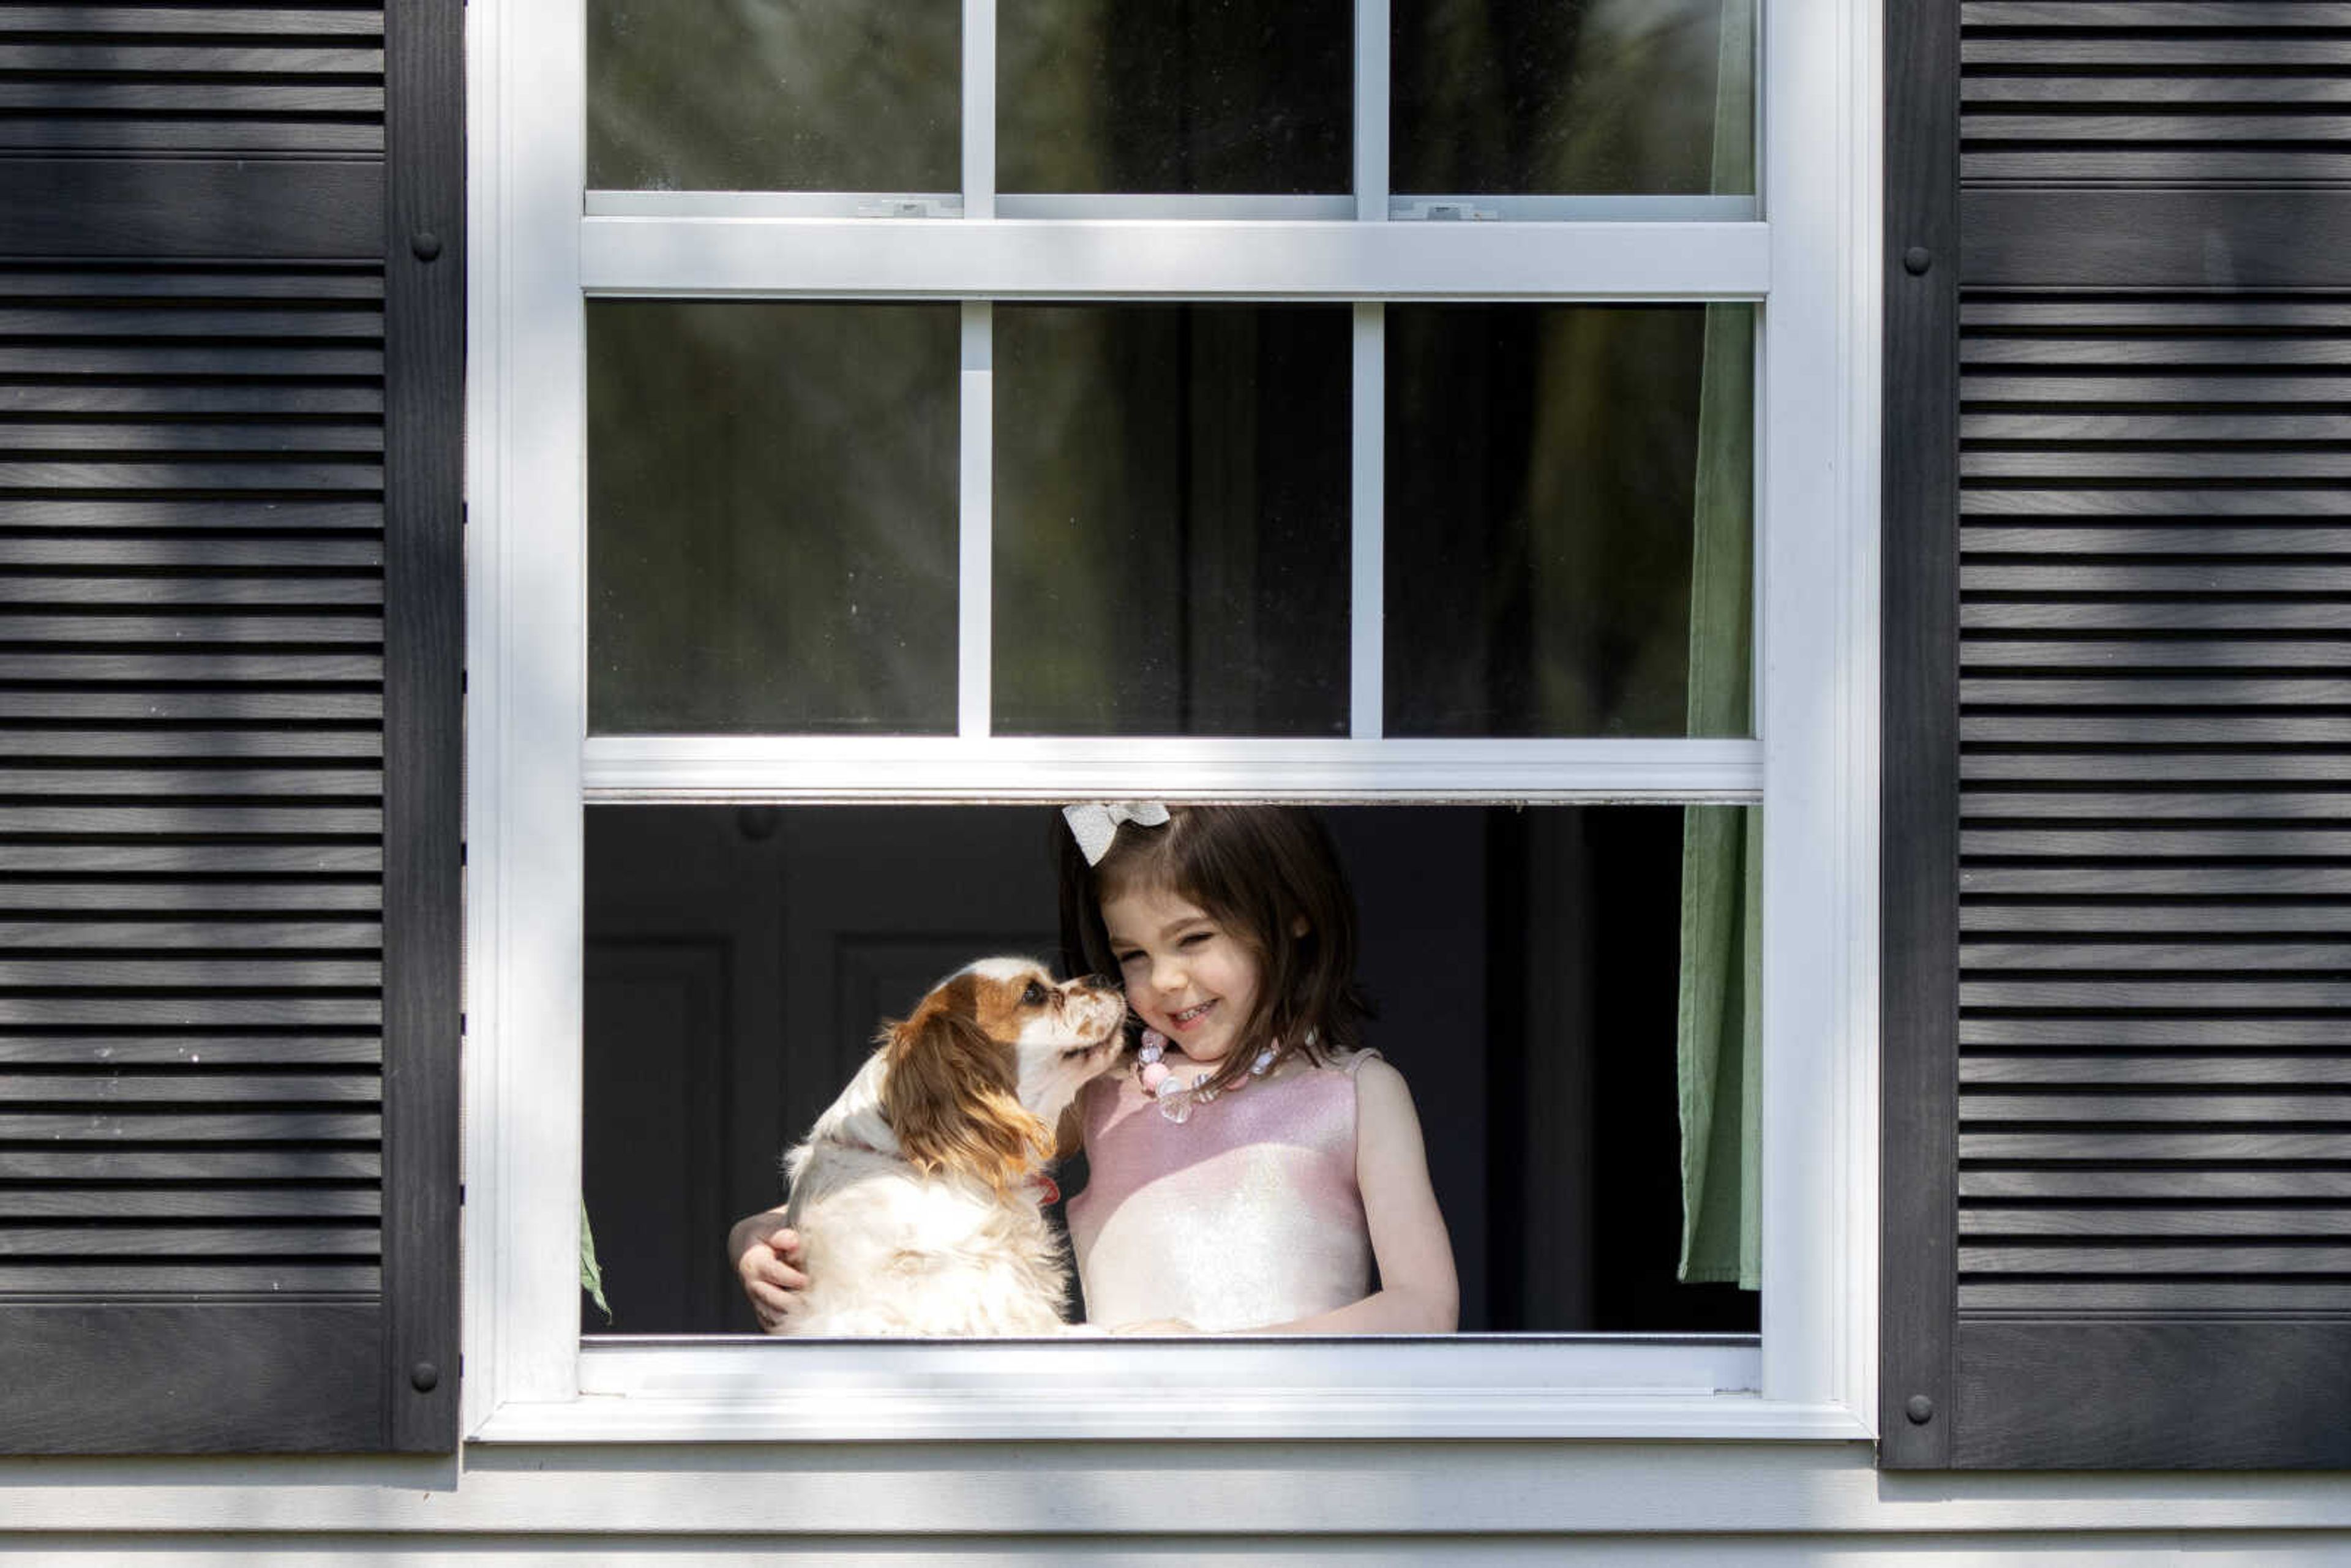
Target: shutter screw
[427, 244]
[1916, 260]
[427, 1377]
[1920, 1409]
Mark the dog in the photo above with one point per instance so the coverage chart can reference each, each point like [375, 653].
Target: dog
[918, 1195]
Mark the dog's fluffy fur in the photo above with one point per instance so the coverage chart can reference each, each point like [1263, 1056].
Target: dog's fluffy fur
[915, 1195]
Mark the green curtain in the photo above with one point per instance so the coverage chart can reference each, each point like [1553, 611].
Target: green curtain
[1718, 1033]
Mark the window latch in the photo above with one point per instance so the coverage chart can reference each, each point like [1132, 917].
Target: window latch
[1443, 212]
[911, 207]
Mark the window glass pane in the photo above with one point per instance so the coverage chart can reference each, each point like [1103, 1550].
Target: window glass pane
[774, 95]
[1568, 529]
[1171, 519]
[1219, 96]
[771, 516]
[1531, 967]
[1574, 96]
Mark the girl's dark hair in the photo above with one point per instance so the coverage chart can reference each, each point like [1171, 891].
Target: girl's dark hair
[1262, 872]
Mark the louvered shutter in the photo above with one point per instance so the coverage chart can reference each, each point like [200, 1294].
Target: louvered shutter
[2118, 791]
[229, 645]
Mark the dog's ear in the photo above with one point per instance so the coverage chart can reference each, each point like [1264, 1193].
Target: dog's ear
[1071, 1135]
[950, 1095]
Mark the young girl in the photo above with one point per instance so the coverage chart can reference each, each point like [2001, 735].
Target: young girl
[1253, 1165]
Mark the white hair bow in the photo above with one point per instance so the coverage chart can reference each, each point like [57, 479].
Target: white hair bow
[1095, 824]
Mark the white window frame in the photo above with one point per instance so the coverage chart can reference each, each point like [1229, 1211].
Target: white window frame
[1812, 263]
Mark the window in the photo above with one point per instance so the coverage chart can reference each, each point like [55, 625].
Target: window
[1441, 421]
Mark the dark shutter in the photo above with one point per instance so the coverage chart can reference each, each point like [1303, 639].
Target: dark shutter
[2118, 1028]
[229, 644]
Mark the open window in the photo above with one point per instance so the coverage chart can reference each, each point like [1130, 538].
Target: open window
[1385, 407]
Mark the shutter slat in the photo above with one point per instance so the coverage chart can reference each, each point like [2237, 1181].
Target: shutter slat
[167, 705]
[2047, 387]
[2170, 1068]
[224, 592]
[51, 512]
[255, 746]
[2120, 1033]
[2202, 843]
[246, 439]
[195, 628]
[2306, 126]
[282, 669]
[203, 934]
[2175, 991]
[191, 475]
[243, 360]
[2169, 691]
[202, 859]
[2000, 1219]
[190, 1088]
[2125, 881]
[2154, 1256]
[163, 1238]
[2160, 353]
[138, 974]
[72, 1164]
[209, 320]
[226, 1011]
[2120, 501]
[2267, 426]
[212, 399]
[2135, 577]
[2066, 1298]
[2197, 164]
[150, 1201]
[303, 819]
[2138, 918]
[2152, 805]
[2124, 539]
[226, 781]
[2132, 16]
[23, 1050]
[302, 896]
[2169, 729]
[112, 1282]
[157, 134]
[2142, 52]
[1977, 765]
[2111, 89]
[2237, 1146]
[114, 58]
[2105, 1105]
[2060, 1183]
[255, 21]
[2205, 958]
[215, 1127]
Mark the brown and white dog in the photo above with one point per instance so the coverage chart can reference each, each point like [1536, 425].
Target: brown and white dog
[917, 1195]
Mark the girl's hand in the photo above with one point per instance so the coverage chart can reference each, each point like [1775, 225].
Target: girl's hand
[766, 1253]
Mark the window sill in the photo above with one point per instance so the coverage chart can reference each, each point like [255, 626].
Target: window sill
[753, 1390]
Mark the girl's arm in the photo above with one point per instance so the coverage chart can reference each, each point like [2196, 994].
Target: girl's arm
[1418, 1293]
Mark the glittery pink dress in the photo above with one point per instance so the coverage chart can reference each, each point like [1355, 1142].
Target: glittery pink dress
[1244, 1216]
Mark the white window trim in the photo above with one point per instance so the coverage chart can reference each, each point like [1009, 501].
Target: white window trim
[1815, 265]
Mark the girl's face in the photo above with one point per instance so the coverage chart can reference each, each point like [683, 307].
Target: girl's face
[1186, 974]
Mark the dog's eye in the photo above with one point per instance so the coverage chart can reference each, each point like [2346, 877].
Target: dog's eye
[1034, 996]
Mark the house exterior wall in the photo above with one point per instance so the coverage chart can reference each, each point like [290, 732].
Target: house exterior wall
[1356, 1502]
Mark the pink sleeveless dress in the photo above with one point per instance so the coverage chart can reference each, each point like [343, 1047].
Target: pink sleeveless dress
[1245, 1215]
